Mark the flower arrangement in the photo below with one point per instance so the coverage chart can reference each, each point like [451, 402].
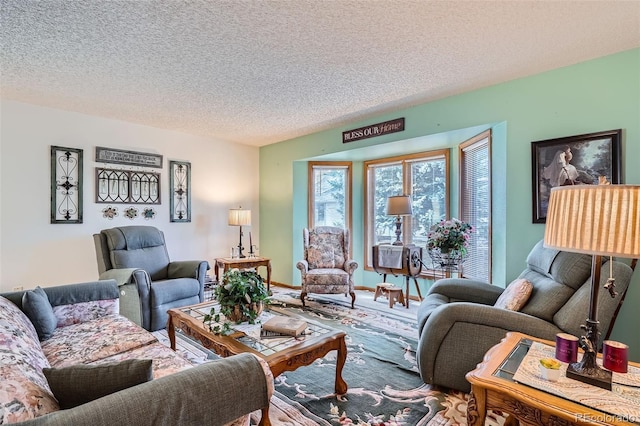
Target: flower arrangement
[449, 235]
[241, 295]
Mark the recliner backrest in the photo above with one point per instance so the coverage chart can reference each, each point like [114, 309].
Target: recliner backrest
[138, 247]
[555, 276]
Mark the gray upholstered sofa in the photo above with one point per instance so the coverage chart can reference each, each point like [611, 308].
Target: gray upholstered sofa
[89, 351]
[458, 323]
[150, 284]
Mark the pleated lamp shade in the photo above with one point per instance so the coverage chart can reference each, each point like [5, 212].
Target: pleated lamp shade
[239, 217]
[594, 219]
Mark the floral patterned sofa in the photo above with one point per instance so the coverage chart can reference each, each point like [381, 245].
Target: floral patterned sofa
[44, 360]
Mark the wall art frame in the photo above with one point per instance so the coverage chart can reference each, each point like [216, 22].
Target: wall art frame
[127, 186]
[66, 185]
[573, 160]
[179, 191]
[133, 158]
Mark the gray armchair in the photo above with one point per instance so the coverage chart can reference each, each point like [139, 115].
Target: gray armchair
[326, 267]
[458, 323]
[150, 284]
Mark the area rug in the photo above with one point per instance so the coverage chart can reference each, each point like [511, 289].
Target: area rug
[385, 387]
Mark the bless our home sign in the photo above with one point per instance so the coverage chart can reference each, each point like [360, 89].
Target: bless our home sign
[379, 129]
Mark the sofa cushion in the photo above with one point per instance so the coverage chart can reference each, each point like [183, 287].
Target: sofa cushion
[515, 296]
[79, 384]
[165, 360]
[85, 311]
[89, 341]
[35, 304]
[24, 392]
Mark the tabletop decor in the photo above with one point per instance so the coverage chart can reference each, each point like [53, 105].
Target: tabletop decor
[241, 295]
[600, 220]
[240, 217]
[447, 243]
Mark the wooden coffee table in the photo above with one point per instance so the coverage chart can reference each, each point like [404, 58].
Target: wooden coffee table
[282, 354]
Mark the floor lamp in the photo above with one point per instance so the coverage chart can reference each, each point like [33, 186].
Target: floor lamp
[240, 217]
[600, 220]
[399, 205]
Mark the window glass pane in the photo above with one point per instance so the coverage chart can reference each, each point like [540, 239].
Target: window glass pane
[387, 181]
[476, 205]
[329, 196]
[429, 197]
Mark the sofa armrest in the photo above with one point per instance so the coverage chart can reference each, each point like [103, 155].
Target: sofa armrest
[213, 393]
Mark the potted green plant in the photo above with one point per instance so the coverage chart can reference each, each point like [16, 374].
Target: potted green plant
[447, 243]
[241, 295]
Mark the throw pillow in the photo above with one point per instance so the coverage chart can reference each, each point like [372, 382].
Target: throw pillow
[515, 296]
[35, 304]
[79, 384]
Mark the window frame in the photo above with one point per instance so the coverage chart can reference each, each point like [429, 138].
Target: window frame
[405, 161]
[462, 149]
[312, 165]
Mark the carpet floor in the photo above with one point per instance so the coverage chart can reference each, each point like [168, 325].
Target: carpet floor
[385, 387]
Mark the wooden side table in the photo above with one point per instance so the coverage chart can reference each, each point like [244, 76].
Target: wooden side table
[226, 263]
[492, 387]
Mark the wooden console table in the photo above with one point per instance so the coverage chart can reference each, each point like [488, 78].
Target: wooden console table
[492, 387]
[226, 263]
[411, 266]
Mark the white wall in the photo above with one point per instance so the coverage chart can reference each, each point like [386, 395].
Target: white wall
[35, 252]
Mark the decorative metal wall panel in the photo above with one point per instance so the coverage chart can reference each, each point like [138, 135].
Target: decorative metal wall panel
[180, 192]
[66, 185]
[127, 186]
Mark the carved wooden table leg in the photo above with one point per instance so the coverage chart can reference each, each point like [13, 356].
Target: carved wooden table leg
[341, 385]
[171, 331]
[476, 407]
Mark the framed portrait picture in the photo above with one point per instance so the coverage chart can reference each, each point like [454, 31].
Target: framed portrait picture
[572, 160]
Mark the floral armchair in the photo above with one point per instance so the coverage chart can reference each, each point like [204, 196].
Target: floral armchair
[326, 267]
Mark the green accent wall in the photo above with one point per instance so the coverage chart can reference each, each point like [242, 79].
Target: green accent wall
[601, 94]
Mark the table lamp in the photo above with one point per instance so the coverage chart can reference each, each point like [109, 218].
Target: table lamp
[399, 205]
[600, 220]
[240, 217]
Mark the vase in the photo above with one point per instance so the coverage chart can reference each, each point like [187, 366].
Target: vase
[238, 314]
[450, 260]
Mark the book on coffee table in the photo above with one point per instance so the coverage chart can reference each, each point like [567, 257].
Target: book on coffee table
[287, 326]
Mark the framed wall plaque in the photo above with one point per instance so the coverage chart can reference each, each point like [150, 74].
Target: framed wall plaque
[66, 185]
[133, 158]
[180, 191]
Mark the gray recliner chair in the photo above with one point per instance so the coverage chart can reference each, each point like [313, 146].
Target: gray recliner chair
[149, 283]
[458, 323]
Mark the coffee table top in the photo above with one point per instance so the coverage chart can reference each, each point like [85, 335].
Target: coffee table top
[248, 335]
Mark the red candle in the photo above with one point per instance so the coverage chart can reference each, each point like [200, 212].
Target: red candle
[614, 356]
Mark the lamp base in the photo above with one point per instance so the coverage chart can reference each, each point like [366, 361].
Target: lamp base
[589, 372]
[398, 242]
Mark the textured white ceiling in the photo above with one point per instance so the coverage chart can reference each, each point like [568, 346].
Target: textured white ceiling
[259, 72]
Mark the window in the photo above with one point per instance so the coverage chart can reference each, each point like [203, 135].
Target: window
[330, 194]
[423, 176]
[475, 203]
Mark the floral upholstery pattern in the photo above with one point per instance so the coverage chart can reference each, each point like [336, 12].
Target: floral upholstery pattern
[165, 361]
[325, 250]
[86, 342]
[326, 267]
[24, 392]
[85, 311]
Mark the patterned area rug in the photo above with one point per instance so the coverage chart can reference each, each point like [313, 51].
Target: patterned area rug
[385, 387]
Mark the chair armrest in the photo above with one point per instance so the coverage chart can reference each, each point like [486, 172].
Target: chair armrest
[303, 265]
[135, 288]
[213, 393]
[350, 265]
[123, 276]
[456, 336]
[188, 269]
[462, 289]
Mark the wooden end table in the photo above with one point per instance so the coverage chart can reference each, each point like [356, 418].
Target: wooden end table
[282, 354]
[492, 387]
[226, 263]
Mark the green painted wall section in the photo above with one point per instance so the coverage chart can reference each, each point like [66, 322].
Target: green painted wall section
[597, 95]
